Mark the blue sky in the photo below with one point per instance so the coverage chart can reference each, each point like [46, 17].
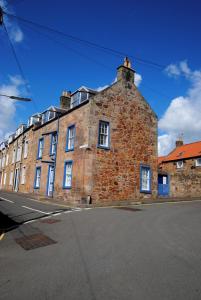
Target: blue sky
[166, 32]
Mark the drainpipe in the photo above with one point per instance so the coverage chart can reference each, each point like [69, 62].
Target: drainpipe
[55, 156]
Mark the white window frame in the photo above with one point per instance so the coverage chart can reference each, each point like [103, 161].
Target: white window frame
[11, 178]
[23, 175]
[19, 153]
[198, 162]
[3, 161]
[103, 134]
[7, 159]
[53, 144]
[13, 158]
[145, 179]
[68, 171]
[70, 143]
[40, 147]
[37, 178]
[180, 164]
[4, 178]
[26, 147]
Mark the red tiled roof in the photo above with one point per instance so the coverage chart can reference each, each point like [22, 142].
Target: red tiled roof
[160, 159]
[183, 152]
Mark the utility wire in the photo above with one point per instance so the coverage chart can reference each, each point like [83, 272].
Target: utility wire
[89, 58]
[70, 48]
[15, 2]
[89, 43]
[18, 64]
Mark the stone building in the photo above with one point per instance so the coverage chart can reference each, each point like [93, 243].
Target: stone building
[97, 147]
[180, 171]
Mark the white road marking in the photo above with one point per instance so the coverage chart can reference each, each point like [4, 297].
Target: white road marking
[31, 221]
[40, 211]
[56, 214]
[7, 200]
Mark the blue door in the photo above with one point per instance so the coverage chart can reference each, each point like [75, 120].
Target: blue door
[163, 185]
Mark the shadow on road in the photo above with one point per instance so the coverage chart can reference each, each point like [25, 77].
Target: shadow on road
[7, 224]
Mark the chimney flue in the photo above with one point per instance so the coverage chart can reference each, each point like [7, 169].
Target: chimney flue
[65, 100]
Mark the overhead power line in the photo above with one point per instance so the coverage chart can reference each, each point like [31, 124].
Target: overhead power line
[89, 43]
[14, 2]
[18, 63]
[69, 48]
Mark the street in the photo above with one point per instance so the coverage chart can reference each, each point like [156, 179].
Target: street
[144, 252]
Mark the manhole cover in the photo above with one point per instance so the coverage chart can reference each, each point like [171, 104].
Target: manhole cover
[128, 208]
[34, 241]
[49, 221]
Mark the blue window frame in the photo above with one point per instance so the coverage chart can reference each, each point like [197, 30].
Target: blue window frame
[104, 135]
[40, 148]
[53, 144]
[37, 178]
[67, 179]
[145, 179]
[70, 140]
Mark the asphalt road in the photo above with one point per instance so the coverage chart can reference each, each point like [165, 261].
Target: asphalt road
[153, 252]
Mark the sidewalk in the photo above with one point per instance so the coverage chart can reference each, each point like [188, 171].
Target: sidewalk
[56, 201]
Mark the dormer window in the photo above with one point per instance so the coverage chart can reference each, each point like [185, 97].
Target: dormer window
[78, 98]
[51, 115]
[47, 116]
[180, 164]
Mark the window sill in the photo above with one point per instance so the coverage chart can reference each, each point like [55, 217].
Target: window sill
[103, 147]
[36, 188]
[145, 192]
[69, 150]
[67, 187]
[52, 154]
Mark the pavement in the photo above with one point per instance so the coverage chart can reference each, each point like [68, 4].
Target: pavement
[150, 251]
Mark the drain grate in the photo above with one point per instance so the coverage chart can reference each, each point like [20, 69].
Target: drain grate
[34, 241]
[128, 208]
[49, 221]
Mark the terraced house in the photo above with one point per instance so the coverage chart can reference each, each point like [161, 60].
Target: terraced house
[96, 147]
[180, 171]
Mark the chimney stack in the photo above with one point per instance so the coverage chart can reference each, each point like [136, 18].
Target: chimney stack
[65, 100]
[125, 72]
[179, 141]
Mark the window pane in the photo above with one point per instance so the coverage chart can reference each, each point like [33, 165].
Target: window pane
[145, 179]
[71, 138]
[68, 175]
[104, 134]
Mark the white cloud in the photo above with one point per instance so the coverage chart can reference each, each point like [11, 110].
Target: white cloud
[138, 79]
[14, 30]
[183, 116]
[8, 107]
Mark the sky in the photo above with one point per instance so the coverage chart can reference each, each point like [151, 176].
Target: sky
[164, 32]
